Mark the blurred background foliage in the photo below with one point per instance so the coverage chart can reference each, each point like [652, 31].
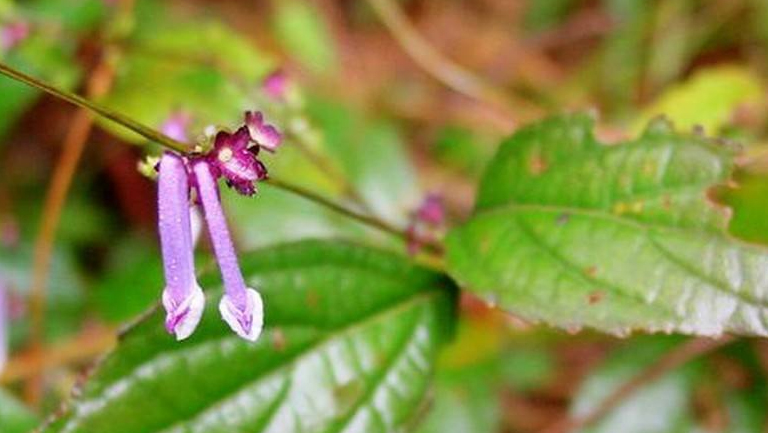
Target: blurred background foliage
[394, 132]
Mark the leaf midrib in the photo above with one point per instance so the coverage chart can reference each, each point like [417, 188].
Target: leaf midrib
[289, 362]
[648, 230]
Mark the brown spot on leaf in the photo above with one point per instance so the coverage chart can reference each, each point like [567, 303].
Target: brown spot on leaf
[278, 339]
[312, 299]
[485, 245]
[666, 201]
[591, 271]
[620, 208]
[595, 297]
[537, 164]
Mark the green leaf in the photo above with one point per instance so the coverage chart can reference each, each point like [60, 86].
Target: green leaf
[300, 28]
[372, 155]
[200, 67]
[128, 286]
[277, 216]
[43, 55]
[466, 404]
[350, 342]
[616, 237]
[681, 400]
[750, 211]
[661, 406]
[14, 416]
[65, 290]
[73, 15]
[708, 99]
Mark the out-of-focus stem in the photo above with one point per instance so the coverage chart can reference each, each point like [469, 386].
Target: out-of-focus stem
[330, 170]
[80, 349]
[433, 62]
[678, 356]
[72, 149]
[172, 144]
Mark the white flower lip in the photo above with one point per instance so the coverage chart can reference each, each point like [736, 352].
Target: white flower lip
[249, 323]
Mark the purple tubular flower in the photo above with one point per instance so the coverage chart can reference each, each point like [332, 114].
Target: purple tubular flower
[264, 134]
[176, 126]
[232, 159]
[183, 298]
[275, 85]
[241, 307]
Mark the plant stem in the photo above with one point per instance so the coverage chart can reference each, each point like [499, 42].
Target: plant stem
[432, 61]
[363, 218]
[56, 196]
[82, 348]
[330, 170]
[79, 101]
[172, 144]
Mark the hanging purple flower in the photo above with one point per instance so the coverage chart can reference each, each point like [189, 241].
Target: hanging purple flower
[176, 126]
[241, 307]
[183, 298]
[275, 85]
[236, 162]
[264, 134]
[12, 34]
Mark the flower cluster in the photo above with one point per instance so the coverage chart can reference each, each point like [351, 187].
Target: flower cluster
[234, 158]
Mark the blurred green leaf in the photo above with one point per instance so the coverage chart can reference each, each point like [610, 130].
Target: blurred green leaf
[303, 33]
[72, 15]
[619, 65]
[541, 16]
[673, 403]
[14, 416]
[576, 233]
[708, 99]
[661, 406]
[750, 212]
[462, 149]
[372, 155]
[64, 295]
[466, 404]
[672, 46]
[132, 280]
[200, 67]
[475, 371]
[44, 56]
[276, 216]
[350, 341]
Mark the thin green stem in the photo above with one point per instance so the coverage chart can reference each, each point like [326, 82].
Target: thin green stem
[172, 144]
[363, 218]
[78, 100]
